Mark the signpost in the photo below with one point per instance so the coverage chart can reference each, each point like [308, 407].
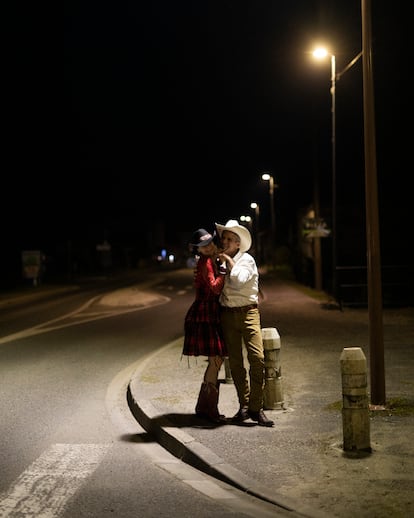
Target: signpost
[32, 265]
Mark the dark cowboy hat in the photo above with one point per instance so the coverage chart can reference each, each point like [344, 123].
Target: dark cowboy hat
[201, 237]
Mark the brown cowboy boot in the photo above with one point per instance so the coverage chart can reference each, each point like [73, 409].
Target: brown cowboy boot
[202, 402]
[207, 403]
[213, 397]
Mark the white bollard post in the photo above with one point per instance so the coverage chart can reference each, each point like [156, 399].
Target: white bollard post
[355, 408]
[273, 393]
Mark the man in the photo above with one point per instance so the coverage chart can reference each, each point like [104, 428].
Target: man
[240, 320]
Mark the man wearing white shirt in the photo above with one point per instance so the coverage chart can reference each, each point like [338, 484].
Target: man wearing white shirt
[240, 320]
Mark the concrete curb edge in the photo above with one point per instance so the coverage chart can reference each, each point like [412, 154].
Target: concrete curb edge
[183, 446]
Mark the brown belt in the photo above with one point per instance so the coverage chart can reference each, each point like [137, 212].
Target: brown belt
[238, 309]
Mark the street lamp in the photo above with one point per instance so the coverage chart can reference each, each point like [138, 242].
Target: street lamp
[255, 207]
[268, 177]
[247, 220]
[376, 337]
[321, 53]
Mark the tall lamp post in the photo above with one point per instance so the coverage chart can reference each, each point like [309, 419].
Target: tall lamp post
[268, 177]
[255, 207]
[321, 53]
[376, 338]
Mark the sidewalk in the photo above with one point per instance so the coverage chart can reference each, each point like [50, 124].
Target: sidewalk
[299, 464]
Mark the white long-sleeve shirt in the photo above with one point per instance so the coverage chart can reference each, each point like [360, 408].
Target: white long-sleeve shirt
[241, 286]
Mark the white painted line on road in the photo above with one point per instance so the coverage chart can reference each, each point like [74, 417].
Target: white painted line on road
[44, 488]
[81, 316]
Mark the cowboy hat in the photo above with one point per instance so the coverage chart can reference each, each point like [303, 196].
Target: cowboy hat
[233, 226]
[201, 237]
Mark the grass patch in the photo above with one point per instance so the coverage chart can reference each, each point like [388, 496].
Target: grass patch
[398, 406]
[394, 407]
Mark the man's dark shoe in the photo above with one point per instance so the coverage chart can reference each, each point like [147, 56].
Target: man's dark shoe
[260, 417]
[242, 415]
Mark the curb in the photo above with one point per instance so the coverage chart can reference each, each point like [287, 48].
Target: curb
[183, 446]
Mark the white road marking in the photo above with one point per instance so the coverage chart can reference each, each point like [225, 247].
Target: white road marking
[44, 488]
[82, 315]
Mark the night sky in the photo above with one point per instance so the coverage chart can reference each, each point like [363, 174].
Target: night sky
[170, 111]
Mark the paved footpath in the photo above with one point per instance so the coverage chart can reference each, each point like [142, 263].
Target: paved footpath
[299, 464]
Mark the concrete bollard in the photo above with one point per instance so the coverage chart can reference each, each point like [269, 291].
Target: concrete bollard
[273, 393]
[355, 407]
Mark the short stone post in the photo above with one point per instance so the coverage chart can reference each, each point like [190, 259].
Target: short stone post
[355, 407]
[273, 393]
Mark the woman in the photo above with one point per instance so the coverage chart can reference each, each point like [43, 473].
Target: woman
[202, 330]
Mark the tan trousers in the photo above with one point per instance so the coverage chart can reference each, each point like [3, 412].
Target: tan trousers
[244, 328]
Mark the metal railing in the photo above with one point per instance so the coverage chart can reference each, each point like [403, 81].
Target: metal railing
[397, 285]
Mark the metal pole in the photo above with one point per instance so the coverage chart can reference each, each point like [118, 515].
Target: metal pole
[272, 208]
[273, 221]
[272, 239]
[229, 377]
[371, 200]
[317, 254]
[257, 228]
[321, 52]
[333, 113]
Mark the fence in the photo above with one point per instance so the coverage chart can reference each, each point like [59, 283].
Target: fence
[397, 285]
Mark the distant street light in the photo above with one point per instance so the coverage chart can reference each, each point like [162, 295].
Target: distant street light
[256, 208]
[246, 219]
[268, 177]
[321, 53]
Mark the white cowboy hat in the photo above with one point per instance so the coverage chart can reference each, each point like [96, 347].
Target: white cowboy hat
[243, 233]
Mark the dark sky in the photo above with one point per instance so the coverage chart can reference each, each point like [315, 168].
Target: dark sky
[171, 110]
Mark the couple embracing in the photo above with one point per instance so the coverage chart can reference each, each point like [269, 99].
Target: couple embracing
[224, 317]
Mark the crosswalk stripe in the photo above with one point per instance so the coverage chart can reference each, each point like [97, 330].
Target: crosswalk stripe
[44, 488]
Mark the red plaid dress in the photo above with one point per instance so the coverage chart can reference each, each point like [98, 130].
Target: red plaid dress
[202, 329]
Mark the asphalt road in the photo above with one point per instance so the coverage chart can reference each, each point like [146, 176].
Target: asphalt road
[69, 445]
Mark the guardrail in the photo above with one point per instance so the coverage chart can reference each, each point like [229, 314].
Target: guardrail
[397, 285]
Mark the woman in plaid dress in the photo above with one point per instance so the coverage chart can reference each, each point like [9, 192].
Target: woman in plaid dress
[202, 330]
